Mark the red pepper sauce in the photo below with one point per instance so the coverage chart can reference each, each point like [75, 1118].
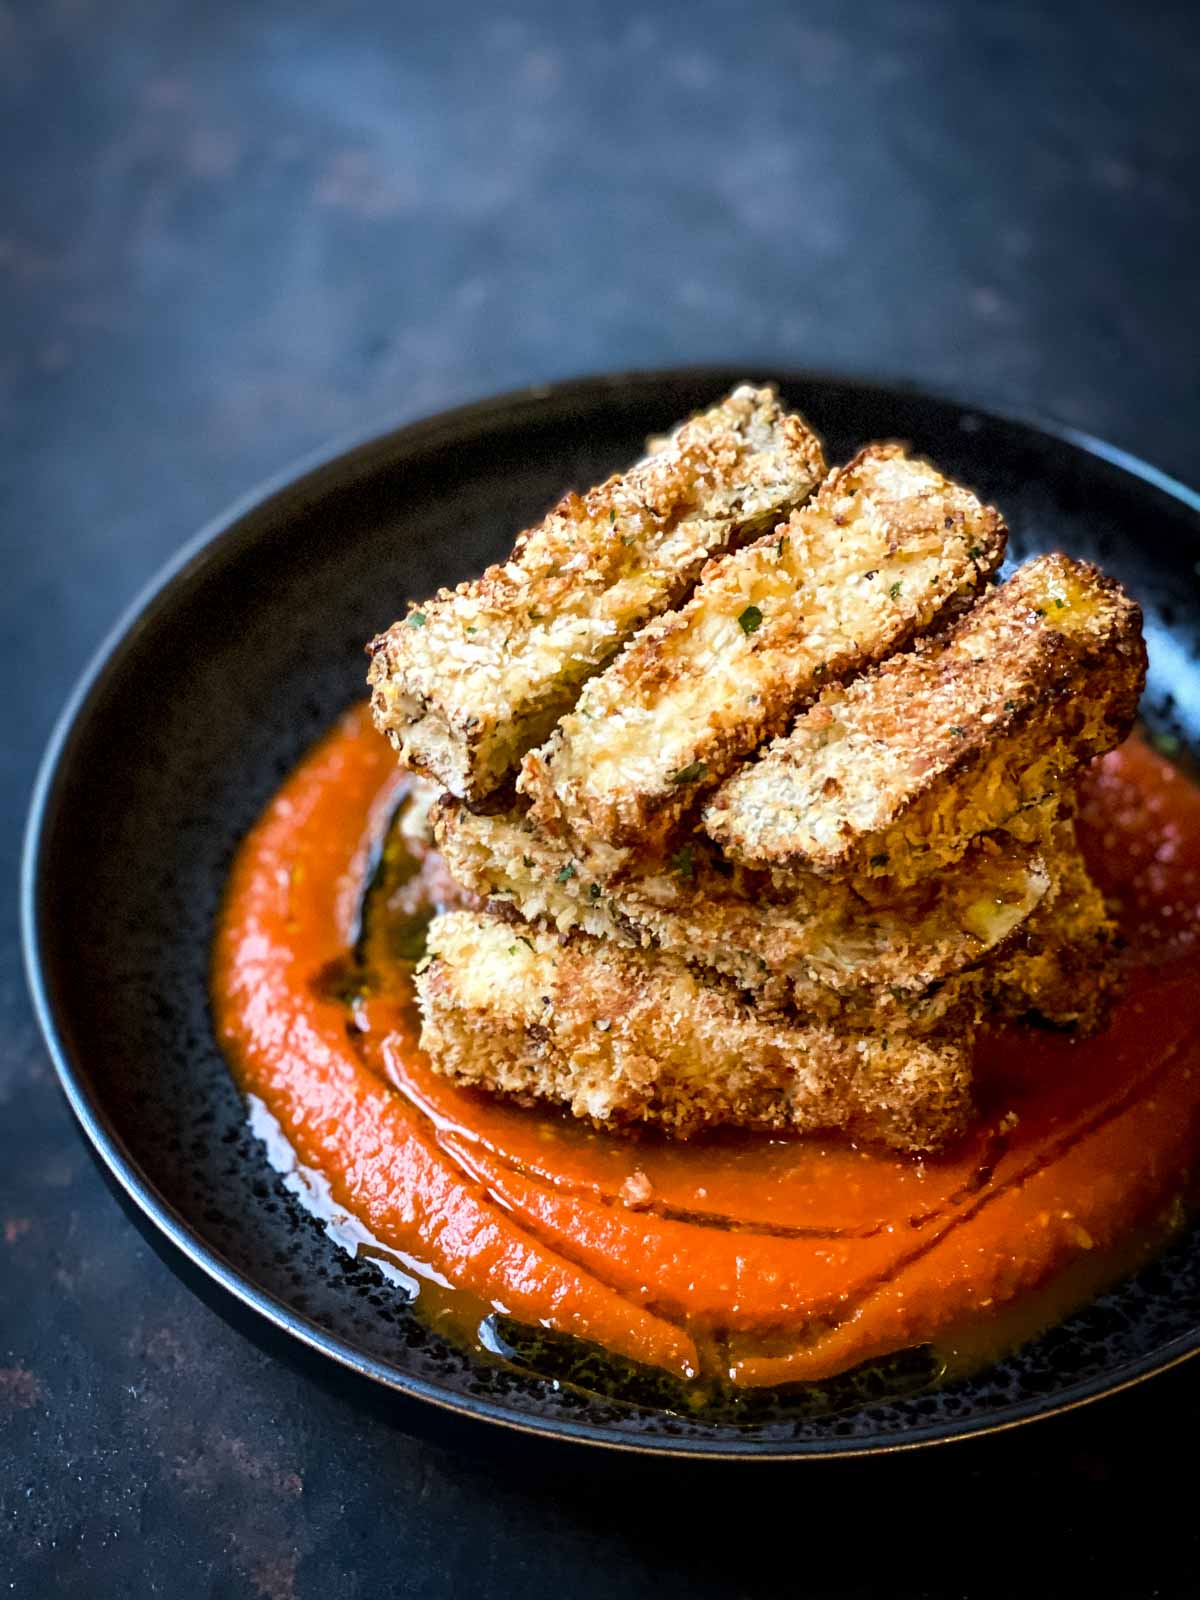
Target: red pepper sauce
[760, 1261]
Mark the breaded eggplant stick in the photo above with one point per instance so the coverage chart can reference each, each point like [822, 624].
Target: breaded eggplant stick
[466, 683]
[1056, 968]
[625, 1037]
[813, 945]
[885, 549]
[1060, 969]
[897, 772]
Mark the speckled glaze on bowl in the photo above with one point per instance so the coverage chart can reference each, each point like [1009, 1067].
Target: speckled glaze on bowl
[246, 649]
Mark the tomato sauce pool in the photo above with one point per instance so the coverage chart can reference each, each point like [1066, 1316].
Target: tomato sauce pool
[757, 1261]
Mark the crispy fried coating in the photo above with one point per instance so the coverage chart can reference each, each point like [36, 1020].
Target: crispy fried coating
[690, 921]
[464, 685]
[625, 1036]
[1059, 969]
[803, 942]
[898, 771]
[1056, 969]
[885, 549]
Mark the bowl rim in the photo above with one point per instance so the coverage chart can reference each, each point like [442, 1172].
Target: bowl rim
[213, 543]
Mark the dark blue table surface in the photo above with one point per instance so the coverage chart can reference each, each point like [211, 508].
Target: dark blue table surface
[232, 232]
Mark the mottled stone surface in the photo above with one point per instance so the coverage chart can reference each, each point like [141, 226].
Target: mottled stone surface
[230, 233]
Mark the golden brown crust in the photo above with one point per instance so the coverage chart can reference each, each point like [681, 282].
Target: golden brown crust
[1060, 968]
[899, 869]
[625, 1037]
[466, 683]
[898, 771]
[805, 943]
[884, 551]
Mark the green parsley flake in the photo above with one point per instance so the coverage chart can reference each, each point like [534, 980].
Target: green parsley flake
[974, 553]
[593, 891]
[881, 860]
[692, 773]
[416, 619]
[682, 863]
[566, 874]
[750, 620]
[895, 589]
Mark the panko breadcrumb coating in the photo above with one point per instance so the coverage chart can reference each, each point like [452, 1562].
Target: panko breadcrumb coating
[467, 682]
[807, 943]
[900, 770]
[627, 1037]
[1059, 967]
[885, 550]
[1056, 969]
[689, 922]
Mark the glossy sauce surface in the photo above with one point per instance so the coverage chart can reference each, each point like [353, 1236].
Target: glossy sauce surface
[757, 1261]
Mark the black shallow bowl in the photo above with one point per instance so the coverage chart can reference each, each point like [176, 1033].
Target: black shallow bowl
[249, 646]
